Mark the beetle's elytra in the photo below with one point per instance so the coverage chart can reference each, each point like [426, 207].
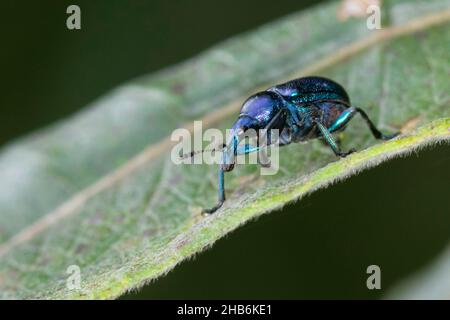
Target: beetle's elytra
[301, 109]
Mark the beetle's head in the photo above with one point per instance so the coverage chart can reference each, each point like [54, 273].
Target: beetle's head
[256, 113]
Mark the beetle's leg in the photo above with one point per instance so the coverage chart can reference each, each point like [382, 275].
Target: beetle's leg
[337, 140]
[349, 113]
[376, 133]
[221, 198]
[263, 160]
[329, 139]
[245, 149]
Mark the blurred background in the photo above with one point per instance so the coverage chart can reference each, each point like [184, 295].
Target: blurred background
[395, 216]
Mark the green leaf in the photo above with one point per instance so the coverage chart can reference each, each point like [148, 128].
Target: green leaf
[431, 283]
[99, 190]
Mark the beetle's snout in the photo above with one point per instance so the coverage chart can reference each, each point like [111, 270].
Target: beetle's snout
[237, 133]
[229, 154]
[227, 167]
[242, 125]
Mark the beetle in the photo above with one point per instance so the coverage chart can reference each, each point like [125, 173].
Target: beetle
[301, 109]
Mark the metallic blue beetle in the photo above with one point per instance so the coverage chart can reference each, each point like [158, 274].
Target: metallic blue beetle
[301, 109]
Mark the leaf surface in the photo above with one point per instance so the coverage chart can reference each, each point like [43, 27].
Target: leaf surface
[99, 190]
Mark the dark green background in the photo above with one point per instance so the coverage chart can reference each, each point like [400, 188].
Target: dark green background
[395, 216]
[49, 71]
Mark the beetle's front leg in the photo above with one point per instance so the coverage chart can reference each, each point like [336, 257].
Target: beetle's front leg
[227, 164]
[221, 198]
[348, 114]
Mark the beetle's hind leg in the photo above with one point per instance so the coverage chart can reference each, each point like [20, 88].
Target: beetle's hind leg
[349, 113]
[375, 132]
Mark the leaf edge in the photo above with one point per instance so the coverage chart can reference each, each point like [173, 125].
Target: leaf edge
[205, 232]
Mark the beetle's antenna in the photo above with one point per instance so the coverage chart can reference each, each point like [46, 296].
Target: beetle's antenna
[193, 153]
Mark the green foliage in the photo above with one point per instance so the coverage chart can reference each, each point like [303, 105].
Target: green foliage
[99, 190]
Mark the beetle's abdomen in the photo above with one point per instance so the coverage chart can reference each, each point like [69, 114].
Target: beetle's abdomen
[311, 89]
[330, 112]
[325, 112]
